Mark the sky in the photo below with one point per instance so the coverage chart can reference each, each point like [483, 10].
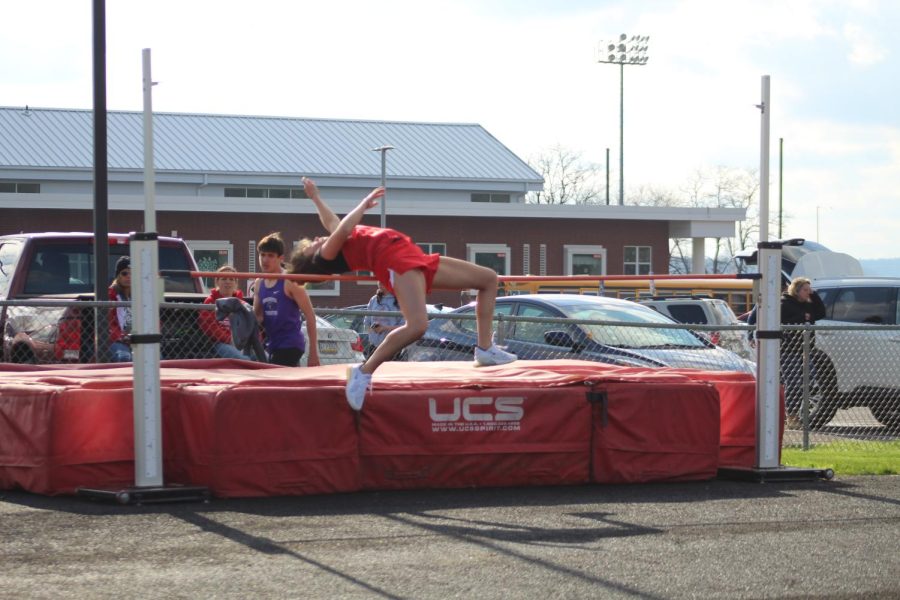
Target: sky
[527, 71]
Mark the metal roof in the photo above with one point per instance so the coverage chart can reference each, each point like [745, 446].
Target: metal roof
[63, 139]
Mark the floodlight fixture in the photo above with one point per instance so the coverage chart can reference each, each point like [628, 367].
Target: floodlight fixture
[620, 52]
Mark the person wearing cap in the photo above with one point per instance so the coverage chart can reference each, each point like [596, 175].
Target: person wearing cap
[120, 317]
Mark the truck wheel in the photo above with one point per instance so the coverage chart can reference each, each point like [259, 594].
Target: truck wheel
[887, 411]
[824, 398]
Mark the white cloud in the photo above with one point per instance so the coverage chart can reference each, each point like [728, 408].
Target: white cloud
[864, 49]
[527, 72]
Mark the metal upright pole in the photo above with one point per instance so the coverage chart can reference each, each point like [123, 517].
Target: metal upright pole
[768, 379]
[764, 163]
[145, 340]
[767, 465]
[146, 337]
[149, 177]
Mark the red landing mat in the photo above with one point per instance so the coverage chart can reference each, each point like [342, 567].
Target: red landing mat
[246, 429]
[737, 402]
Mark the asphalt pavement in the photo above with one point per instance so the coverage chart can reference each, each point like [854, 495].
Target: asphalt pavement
[717, 539]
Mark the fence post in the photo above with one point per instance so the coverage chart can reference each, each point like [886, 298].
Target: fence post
[804, 402]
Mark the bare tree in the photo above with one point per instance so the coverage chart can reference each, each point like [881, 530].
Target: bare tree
[568, 178]
[648, 195]
[721, 187]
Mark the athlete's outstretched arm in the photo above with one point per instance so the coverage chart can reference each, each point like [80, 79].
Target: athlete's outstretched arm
[339, 235]
[329, 220]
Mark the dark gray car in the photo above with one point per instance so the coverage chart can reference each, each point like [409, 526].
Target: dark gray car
[629, 335]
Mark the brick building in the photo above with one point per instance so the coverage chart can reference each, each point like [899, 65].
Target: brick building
[222, 182]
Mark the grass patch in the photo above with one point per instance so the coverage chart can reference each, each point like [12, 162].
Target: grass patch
[847, 458]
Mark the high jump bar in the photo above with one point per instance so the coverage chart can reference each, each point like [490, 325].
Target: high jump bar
[513, 278]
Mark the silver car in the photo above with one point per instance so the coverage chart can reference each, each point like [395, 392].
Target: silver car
[336, 345]
[629, 335]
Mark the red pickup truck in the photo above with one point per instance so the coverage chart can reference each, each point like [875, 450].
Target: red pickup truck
[59, 267]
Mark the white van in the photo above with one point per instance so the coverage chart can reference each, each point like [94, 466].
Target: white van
[862, 365]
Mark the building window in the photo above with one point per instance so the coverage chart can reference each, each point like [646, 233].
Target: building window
[16, 187]
[526, 259]
[491, 198]
[323, 288]
[210, 255]
[493, 256]
[433, 248]
[637, 260]
[260, 192]
[584, 260]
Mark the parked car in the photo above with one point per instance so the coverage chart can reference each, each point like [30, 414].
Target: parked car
[706, 311]
[859, 367]
[355, 322]
[641, 345]
[337, 345]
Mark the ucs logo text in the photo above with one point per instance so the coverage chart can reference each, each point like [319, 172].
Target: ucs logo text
[477, 413]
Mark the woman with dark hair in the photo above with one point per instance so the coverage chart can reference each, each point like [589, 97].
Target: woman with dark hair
[403, 269]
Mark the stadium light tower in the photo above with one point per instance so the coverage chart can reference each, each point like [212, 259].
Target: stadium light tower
[623, 51]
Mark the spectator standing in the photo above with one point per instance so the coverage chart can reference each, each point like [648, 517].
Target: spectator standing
[378, 327]
[278, 304]
[120, 317]
[219, 332]
[800, 305]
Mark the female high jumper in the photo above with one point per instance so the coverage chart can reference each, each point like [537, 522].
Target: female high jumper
[402, 268]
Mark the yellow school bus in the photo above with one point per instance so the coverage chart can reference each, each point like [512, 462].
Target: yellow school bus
[738, 293]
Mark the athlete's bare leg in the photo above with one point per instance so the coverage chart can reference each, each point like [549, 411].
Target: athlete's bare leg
[409, 289]
[455, 274]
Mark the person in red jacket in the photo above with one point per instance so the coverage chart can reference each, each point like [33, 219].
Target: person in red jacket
[220, 331]
[120, 317]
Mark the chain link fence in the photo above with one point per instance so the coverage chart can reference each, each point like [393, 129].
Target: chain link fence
[841, 383]
[63, 331]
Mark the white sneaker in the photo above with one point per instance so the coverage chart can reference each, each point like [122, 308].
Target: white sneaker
[357, 384]
[492, 356]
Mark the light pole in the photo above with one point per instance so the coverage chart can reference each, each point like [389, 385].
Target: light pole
[383, 150]
[624, 51]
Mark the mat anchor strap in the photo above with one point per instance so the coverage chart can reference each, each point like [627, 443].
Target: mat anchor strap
[602, 399]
